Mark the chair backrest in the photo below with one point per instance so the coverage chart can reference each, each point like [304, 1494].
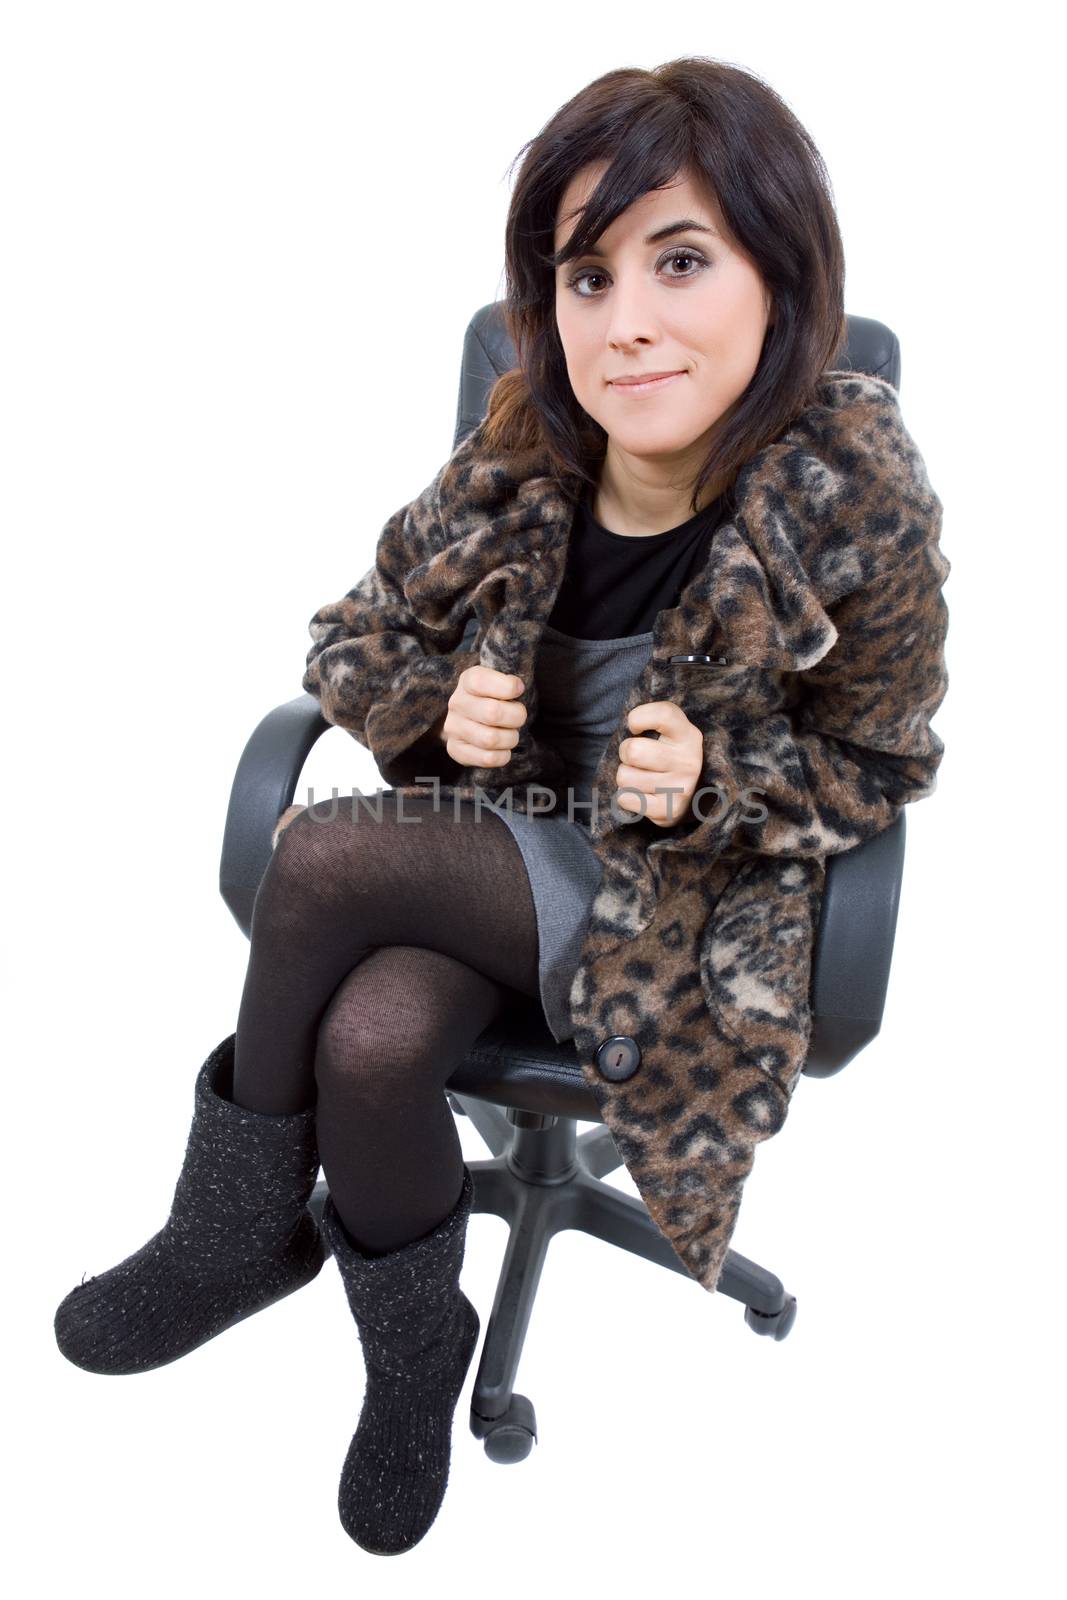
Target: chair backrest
[857, 924]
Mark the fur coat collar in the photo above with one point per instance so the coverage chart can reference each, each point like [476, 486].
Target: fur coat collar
[818, 625]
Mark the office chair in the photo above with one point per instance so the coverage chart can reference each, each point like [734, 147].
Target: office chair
[525, 1093]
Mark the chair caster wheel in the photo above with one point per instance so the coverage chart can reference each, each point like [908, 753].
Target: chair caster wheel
[511, 1437]
[776, 1324]
[454, 1103]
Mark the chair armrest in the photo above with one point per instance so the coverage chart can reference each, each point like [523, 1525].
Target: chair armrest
[263, 787]
[854, 948]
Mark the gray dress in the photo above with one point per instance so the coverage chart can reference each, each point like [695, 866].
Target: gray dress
[582, 686]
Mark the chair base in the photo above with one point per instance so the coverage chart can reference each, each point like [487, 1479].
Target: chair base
[542, 1179]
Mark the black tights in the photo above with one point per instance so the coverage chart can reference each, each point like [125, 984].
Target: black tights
[381, 948]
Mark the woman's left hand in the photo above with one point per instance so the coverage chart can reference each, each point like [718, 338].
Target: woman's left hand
[665, 770]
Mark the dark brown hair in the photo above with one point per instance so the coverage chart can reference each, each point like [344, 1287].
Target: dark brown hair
[732, 134]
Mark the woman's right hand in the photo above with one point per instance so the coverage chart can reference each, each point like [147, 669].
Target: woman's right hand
[481, 726]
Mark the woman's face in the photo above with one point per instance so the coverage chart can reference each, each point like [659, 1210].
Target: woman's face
[687, 302]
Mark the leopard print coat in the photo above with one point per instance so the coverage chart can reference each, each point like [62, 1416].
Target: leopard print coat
[821, 620]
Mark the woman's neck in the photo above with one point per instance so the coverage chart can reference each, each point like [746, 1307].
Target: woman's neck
[645, 510]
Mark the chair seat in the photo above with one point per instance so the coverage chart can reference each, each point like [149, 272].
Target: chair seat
[517, 1062]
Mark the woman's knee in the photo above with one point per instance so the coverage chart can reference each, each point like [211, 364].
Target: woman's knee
[331, 830]
[366, 1044]
[307, 853]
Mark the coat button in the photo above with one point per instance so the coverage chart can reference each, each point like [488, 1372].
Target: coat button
[617, 1058]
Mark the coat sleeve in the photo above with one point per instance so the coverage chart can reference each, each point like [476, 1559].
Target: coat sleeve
[376, 669]
[838, 766]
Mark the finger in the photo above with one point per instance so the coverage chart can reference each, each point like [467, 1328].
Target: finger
[488, 681]
[643, 805]
[650, 755]
[664, 791]
[483, 735]
[642, 778]
[654, 807]
[489, 711]
[663, 716]
[472, 755]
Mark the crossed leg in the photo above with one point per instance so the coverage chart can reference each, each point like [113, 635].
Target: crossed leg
[381, 949]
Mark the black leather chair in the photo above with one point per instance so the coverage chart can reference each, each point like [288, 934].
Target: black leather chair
[524, 1092]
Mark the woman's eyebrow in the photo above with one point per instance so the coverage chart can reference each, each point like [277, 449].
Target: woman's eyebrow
[686, 225]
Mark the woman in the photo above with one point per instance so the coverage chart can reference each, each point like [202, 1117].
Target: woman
[699, 562]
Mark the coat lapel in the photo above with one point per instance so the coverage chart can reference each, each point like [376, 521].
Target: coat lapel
[751, 605]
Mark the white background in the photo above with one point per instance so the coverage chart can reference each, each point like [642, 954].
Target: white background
[241, 246]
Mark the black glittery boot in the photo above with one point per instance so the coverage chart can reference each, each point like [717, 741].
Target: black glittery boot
[238, 1238]
[419, 1332]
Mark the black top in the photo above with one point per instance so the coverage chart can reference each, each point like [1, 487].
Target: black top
[615, 585]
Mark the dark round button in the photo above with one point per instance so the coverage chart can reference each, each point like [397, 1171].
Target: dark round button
[617, 1058]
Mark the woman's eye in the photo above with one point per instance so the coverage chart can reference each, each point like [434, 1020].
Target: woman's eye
[675, 255]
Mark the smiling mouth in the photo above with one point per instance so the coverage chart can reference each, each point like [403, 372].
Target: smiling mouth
[648, 385]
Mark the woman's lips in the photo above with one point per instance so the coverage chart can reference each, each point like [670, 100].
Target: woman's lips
[648, 387]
